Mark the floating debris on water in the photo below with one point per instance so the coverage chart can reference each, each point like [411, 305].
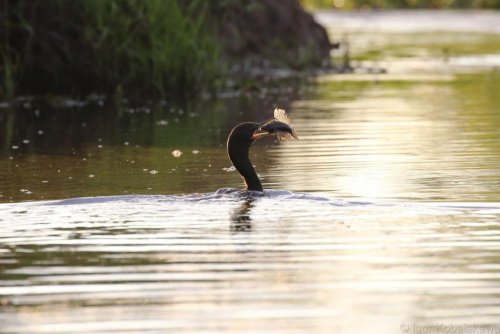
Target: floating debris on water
[176, 153]
[26, 191]
[91, 175]
[195, 152]
[139, 109]
[26, 141]
[154, 172]
[45, 181]
[229, 169]
[15, 147]
[126, 143]
[162, 122]
[69, 103]
[99, 146]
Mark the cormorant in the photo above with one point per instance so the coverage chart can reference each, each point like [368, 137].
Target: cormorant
[244, 134]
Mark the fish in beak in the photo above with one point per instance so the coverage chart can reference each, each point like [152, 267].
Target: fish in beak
[276, 128]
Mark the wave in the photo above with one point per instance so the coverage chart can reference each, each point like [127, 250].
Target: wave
[288, 198]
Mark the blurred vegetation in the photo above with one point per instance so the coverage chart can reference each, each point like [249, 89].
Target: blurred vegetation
[375, 4]
[74, 47]
[173, 48]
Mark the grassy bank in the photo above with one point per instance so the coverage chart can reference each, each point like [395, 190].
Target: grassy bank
[175, 48]
[151, 47]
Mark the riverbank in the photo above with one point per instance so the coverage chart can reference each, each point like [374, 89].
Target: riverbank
[150, 48]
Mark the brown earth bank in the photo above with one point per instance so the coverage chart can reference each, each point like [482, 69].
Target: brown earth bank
[275, 33]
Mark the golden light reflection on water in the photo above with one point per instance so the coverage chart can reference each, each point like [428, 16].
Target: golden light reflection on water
[159, 263]
[392, 140]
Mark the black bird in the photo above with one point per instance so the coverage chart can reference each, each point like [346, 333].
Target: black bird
[244, 134]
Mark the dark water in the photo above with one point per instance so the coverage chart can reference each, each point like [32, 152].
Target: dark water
[383, 218]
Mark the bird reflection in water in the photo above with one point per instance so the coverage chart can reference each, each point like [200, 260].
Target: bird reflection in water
[240, 218]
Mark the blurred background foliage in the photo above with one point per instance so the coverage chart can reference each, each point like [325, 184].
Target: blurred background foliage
[92, 45]
[169, 48]
[176, 48]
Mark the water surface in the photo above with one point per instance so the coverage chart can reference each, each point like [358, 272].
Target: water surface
[385, 214]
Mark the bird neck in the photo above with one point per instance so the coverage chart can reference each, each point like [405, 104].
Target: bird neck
[238, 154]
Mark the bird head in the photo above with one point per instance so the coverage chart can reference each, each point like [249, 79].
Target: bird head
[279, 126]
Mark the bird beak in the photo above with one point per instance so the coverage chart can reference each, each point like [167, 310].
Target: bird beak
[260, 133]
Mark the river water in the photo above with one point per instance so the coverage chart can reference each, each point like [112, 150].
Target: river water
[383, 218]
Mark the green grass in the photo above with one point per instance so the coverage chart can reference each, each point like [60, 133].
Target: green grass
[149, 47]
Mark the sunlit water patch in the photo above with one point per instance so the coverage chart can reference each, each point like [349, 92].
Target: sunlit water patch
[416, 41]
[421, 21]
[227, 261]
[490, 60]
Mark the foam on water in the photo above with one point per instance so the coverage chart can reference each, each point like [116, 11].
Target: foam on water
[223, 194]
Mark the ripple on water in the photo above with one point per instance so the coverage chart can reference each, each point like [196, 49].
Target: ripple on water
[247, 262]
